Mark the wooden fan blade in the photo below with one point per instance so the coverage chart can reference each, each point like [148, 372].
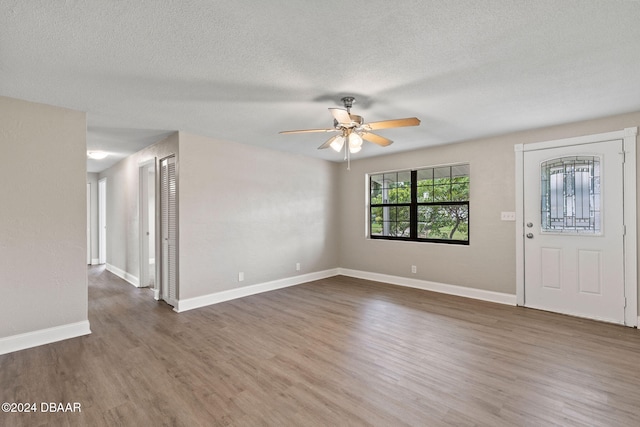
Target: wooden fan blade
[341, 115]
[328, 142]
[397, 123]
[307, 131]
[376, 139]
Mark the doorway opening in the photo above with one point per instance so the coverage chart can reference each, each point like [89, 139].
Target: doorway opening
[88, 223]
[148, 231]
[102, 221]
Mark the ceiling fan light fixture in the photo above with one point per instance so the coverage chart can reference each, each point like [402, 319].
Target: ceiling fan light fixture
[354, 148]
[337, 143]
[355, 140]
[97, 155]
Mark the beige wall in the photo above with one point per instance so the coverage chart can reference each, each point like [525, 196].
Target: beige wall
[241, 209]
[252, 210]
[123, 229]
[488, 263]
[43, 218]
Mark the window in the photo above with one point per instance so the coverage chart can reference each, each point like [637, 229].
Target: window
[570, 188]
[426, 205]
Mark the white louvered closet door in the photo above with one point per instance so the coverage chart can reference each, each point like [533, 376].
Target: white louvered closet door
[168, 201]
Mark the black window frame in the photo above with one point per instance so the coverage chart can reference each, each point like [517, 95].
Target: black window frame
[414, 206]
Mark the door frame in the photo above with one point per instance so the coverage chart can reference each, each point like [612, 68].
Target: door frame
[102, 221]
[88, 223]
[628, 137]
[143, 215]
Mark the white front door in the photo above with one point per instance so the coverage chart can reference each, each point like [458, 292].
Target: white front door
[574, 230]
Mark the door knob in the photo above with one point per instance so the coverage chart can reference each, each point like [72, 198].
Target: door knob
[529, 224]
[529, 235]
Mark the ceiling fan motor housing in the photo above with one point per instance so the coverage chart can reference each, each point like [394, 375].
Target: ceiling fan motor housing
[356, 121]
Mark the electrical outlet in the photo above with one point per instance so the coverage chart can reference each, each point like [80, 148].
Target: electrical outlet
[297, 266]
[414, 269]
[241, 276]
[507, 216]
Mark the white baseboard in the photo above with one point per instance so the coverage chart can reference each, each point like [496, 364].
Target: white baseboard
[479, 294]
[205, 300]
[124, 275]
[426, 285]
[95, 261]
[43, 336]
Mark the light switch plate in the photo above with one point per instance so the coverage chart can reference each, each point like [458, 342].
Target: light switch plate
[508, 216]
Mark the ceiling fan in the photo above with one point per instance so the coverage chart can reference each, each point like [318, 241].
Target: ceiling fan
[352, 129]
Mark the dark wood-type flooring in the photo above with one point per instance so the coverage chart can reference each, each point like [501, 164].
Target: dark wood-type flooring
[335, 352]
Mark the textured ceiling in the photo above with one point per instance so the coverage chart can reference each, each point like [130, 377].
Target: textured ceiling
[244, 70]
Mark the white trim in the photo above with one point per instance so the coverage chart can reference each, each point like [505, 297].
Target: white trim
[631, 232]
[519, 180]
[143, 216]
[102, 220]
[443, 288]
[205, 300]
[88, 223]
[367, 206]
[143, 220]
[95, 261]
[231, 294]
[43, 336]
[124, 275]
[578, 140]
[628, 136]
[151, 161]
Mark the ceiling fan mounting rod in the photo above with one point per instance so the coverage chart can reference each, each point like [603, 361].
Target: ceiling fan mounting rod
[348, 102]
